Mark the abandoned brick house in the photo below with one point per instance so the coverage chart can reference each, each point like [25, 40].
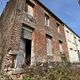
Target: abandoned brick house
[30, 33]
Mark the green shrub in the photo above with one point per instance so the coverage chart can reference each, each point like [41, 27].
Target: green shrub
[27, 78]
[61, 71]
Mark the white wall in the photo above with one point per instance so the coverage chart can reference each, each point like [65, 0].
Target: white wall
[78, 42]
[71, 43]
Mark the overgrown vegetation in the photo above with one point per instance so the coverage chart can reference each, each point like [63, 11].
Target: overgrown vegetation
[50, 71]
[61, 71]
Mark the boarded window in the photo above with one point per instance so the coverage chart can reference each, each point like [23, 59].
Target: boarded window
[30, 10]
[48, 45]
[46, 20]
[26, 33]
[30, 7]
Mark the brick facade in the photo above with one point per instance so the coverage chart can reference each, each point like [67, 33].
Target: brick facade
[11, 23]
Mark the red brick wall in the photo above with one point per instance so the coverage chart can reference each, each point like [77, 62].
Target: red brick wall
[42, 30]
[39, 33]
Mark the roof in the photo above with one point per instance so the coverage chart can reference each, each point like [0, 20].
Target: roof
[72, 31]
[49, 11]
[55, 16]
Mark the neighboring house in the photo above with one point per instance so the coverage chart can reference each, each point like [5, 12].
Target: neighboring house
[73, 43]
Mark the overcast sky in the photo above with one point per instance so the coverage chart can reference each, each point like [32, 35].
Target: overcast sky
[67, 10]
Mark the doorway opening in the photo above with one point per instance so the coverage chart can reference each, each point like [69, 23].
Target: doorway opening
[28, 52]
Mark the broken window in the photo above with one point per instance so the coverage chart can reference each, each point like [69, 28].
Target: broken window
[48, 45]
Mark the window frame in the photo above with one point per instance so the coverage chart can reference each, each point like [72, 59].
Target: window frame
[47, 20]
[49, 45]
[29, 4]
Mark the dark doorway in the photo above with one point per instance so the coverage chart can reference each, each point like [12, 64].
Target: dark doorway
[28, 51]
